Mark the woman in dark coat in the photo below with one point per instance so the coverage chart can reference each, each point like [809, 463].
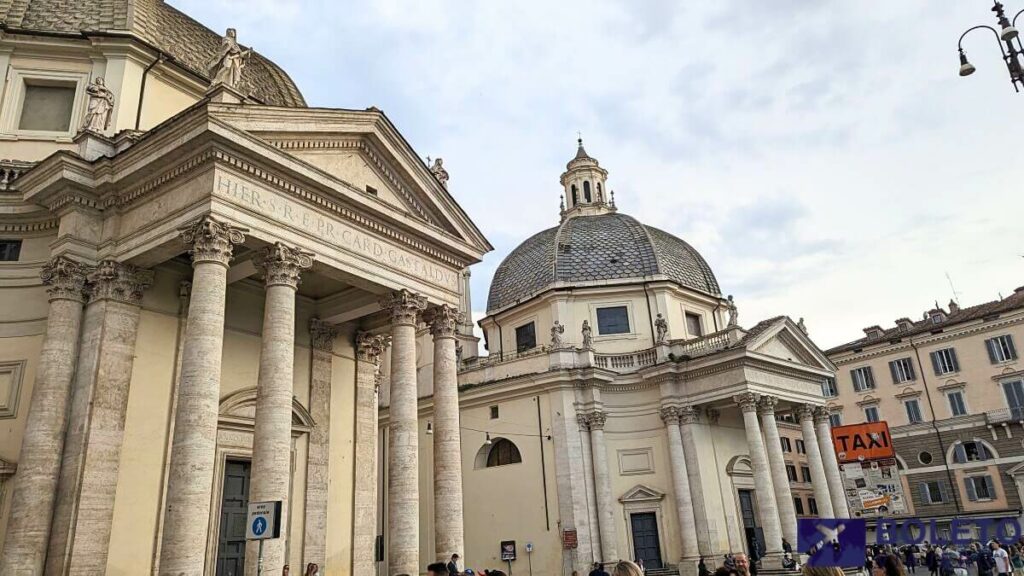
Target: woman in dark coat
[931, 560]
[910, 559]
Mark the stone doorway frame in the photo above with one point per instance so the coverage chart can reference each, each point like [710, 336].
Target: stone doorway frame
[638, 499]
[741, 476]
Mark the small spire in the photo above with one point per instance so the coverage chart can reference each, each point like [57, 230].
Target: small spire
[612, 202]
[561, 202]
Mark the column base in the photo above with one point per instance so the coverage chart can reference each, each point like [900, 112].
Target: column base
[772, 561]
[688, 566]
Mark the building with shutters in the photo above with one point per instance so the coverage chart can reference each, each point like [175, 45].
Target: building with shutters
[951, 387]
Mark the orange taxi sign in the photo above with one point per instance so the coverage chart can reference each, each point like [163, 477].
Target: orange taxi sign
[863, 442]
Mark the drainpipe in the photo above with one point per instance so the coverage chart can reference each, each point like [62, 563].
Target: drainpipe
[953, 488]
[142, 86]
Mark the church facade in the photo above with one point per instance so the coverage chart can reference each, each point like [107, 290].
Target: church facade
[211, 294]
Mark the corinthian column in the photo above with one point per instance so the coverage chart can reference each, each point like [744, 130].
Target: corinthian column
[767, 509]
[80, 533]
[681, 487]
[805, 412]
[603, 487]
[403, 443]
[780, 480]
[35, 483]
[369, 349]
[194, 447]
[448, 528]
[831, 464]
[272, 438]
[687, 423]
[314, 544]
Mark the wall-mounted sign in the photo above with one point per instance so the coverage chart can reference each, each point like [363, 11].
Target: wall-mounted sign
[508, 550]
[863, 442]
[569, 540]
[264, 520]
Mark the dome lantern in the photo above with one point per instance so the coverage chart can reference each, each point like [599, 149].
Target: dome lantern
[586, 191]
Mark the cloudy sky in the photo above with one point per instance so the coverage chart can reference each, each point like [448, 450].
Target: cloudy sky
[824, 157]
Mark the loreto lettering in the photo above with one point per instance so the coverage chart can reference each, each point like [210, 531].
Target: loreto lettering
[336, 232]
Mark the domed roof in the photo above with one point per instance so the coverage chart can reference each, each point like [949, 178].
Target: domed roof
[191, 44]
[601, 247]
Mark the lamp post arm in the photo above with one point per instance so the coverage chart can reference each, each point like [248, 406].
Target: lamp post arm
[1014, 22]
[999, 43]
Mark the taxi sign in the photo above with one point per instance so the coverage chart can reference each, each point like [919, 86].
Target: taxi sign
[264, 520]
[863, 442]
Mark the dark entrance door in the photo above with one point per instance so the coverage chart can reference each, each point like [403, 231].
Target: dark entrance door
[646, 544]
[751, 531]
[233, 505]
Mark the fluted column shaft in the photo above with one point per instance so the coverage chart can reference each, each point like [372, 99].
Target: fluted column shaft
[603, 488]
[369, 349]
[818, 479]
[449, 536]
[314, 541]
[831, 464]
[403, 443]
[194, 447]
[35, 484]
[768, 511]
[687, 424]
[80, 532]
[681, 486]
[777, 464]
[280, 266]
[588, 483]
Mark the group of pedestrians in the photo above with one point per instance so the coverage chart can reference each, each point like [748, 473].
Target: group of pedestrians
[987, 560]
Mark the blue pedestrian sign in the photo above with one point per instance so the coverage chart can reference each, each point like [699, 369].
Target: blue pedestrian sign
[264, 520]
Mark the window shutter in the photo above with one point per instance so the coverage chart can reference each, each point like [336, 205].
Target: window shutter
[857, 383]
[943, 491]
[991, 487]
[910, 370]
[983, 452]
[971, 494]
[869, 377]
[935, 363]
[959, 455]
[892, 370]
[952, 356]
[923, 487]
[990, 345]
[1009, 344]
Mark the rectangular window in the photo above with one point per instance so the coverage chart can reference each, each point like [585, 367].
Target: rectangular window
[835, 419]
[957, 406]
[828, 388]
[10, 250]
[932, 492]
[913, 411]
[944, 361]
[798, 505]
[791, 472]
[862, 378]
[980, 488]
[812, 506]
[526, 337]
[1015, 398]
[805, 474]
[693, 325]
[494, 412]
[871, 414]
[786, 445]
[1000, 349]
[47, 107]
[613, 320]
[801, 448]
[902, 370]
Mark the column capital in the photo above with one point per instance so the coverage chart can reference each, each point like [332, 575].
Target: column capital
[670, 414]
[766, 405]
[596, 420]
[369, 347]
[688, 414]
[322, 334]
[581, 419]
[211, 240]
[282, 265]
[804, 412]
[444, 320]
[821, 414]
[713, 415]
[120, 282]
[747, 401]
[65, 278]
[404, 306]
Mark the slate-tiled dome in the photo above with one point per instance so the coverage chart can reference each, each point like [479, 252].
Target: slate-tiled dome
[595, 248]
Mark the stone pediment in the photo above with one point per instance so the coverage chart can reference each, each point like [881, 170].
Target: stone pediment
[239, 408]
[641, 493]
[786, 341]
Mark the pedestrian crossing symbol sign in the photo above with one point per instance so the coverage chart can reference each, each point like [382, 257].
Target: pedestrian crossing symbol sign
[264, 520]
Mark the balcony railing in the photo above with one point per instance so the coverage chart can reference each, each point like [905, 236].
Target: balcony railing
[702, 346]
[10, 170]
[1004, 415]
[629, 361]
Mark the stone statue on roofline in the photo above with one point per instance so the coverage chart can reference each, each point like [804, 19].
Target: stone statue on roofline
[556, 336]
[231, 59]
[437, 169]
[588, 335]
[734, 314]
[662, 329]
[101, 105]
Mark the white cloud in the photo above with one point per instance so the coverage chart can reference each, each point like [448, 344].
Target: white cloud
[825, 158]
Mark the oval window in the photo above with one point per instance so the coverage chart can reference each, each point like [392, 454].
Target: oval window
[925, 457]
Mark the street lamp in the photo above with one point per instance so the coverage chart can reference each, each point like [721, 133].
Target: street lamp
[1008, 35]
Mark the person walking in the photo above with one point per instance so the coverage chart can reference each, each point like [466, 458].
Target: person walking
[910, 559]
[1000, 559]
[931, 560]
[453, 565]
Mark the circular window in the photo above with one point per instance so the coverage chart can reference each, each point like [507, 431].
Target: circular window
[925, 457]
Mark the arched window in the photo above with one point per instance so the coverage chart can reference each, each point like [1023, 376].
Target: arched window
[503, 452]
[586, 190]
[972, 451]
[575, 197]
[600, 193]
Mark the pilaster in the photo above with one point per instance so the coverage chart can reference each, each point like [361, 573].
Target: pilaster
[314, 544]
[369, 351]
